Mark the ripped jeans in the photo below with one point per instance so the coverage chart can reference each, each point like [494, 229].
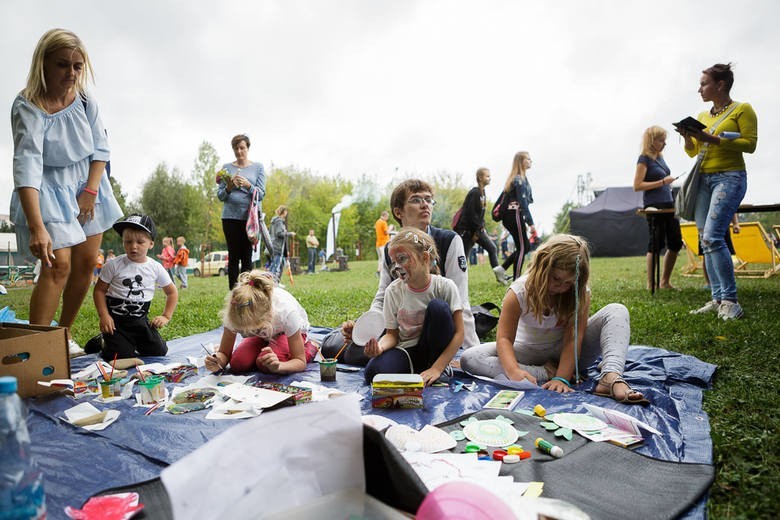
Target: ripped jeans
[718, 199]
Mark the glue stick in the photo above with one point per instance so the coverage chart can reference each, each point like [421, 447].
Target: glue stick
[548, 447]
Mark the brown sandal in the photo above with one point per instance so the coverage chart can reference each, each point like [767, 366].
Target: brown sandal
[627, 399]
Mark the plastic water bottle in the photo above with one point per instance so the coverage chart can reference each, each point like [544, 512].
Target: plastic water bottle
[21, 484]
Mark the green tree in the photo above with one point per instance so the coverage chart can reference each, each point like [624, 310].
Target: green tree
[169, 201]
[562, 220]
[205, 215]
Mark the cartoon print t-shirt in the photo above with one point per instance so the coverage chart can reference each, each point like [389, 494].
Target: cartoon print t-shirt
[131, 285]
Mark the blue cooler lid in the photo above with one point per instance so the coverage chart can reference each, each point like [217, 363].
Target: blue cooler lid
[8, 385]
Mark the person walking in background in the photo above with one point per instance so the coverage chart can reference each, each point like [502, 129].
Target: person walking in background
[235, 186]
[654, 178]
[312, 244]
[518, 195]
[731, 130]
[471, 225]
[382, 238]
[279, 236]
[181, 261]
[98, 266]
[167, 255]
[62, 200]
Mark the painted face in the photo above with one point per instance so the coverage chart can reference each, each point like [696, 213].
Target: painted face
[560, 281]
[708, 88]
[403, 263]
[417, 210]
[137, 244]
[241, 151]
[61, 69]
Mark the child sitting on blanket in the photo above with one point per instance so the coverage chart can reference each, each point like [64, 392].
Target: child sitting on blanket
[271, 321]
[423, 313]
[124, 292]
[535, 338]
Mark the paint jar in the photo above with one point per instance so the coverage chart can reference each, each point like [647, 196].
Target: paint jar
[328, 369]
[110, 388]
[152, 390]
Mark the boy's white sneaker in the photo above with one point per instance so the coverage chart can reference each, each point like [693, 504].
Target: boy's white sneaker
[710, 306]
[500, 273]
[730, 310]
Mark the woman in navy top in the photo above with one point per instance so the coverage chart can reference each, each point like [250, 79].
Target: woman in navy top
[236, 192]
[62, 200]
[654, 178]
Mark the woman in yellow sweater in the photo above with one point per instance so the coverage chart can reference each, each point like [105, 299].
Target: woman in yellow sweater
[731, 129]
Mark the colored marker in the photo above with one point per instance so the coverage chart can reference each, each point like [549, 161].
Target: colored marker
[548, 448]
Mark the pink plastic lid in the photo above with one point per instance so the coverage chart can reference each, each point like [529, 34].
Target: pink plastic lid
[463, 500]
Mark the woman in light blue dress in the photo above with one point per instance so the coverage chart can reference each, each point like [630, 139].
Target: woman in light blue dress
[62, 201]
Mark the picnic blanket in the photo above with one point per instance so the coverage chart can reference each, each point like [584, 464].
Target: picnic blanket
[78, 464]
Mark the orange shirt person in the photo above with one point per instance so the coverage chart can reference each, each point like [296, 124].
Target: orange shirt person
[382, 238]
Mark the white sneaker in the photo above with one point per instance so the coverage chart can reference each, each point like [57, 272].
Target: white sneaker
[500, 273]
[74, 350]
[710, 306]
[730, 310]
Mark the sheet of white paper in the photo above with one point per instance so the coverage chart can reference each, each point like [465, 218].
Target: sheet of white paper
[91, 371]
[85, 410]
[502, 380]
[232, 409]
[276, 461]
[259, 397]
[620, 420]
[217, 382]
[197, 361]
[58, 383]
[319, 392]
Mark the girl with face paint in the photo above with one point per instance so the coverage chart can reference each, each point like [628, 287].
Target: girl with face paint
[423, 313]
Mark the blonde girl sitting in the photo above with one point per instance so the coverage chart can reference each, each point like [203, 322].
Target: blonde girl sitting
[536, 330]
[273, 326]
[423, 313]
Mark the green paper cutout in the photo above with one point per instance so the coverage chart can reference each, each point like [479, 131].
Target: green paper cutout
[505, 419]
[471, 419]
[526, 412]
[457, 435]
[566, 433]
[549, 426]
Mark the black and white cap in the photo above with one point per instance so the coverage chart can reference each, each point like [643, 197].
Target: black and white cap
[142, 222]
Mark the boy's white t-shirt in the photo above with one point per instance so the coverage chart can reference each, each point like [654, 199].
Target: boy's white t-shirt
[134, 283]
[404, 308]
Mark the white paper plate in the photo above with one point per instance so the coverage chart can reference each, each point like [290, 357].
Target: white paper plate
[492, 432]
[369, 325]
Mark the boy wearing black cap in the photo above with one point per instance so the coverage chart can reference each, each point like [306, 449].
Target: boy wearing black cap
[124, 292]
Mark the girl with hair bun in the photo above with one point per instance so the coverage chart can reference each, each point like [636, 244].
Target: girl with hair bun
[272, 323]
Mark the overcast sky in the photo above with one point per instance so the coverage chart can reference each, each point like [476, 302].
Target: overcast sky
[398, 87]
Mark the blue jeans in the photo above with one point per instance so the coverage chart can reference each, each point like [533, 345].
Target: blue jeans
[276, 267]
[312, 259]
[719, 197]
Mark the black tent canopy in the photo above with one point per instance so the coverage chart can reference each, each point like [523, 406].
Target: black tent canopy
[611, 225]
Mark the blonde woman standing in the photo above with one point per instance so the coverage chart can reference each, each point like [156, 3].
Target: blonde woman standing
[62, 201]
[654, 178]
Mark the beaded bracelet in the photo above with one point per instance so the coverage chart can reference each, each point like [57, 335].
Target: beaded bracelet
[562, 380]
[91, 192]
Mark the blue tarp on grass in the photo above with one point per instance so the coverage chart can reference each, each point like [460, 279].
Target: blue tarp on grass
[78, 463]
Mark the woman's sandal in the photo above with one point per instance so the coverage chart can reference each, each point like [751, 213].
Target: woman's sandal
[626, 399]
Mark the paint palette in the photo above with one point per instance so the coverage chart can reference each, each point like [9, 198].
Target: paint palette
[369, 325]
[491, 432]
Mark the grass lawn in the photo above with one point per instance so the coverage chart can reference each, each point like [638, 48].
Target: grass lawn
[741, 405]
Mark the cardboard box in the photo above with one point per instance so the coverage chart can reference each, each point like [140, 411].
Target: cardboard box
[397, 391]
[33, 353]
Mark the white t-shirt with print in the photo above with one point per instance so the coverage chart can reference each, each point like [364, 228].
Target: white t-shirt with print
[133, 283]
[404, 308]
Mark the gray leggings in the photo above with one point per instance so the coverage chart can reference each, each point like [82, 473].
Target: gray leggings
[606, 335]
